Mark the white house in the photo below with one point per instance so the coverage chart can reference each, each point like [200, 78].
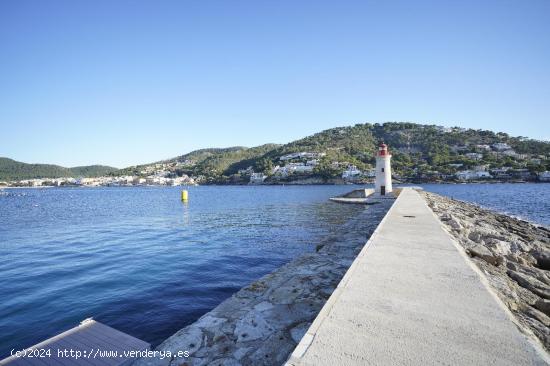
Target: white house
[501, 146]
[474, 156]
[351, 172]
[312, 162]
[303, 168]
[257, 178]
[472, 174]
[483, 147]
[301, 155]
[370, 173]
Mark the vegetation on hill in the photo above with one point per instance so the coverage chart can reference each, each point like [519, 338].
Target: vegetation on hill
[15, 170]
[419, 152]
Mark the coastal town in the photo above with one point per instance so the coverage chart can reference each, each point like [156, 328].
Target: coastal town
[305, 167]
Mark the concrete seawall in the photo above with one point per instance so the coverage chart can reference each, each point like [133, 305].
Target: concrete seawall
[412, 297]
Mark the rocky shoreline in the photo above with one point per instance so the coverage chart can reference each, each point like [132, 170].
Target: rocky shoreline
[512, 253]
[262, 323]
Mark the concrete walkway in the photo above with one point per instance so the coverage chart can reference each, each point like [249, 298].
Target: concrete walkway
[412, 297]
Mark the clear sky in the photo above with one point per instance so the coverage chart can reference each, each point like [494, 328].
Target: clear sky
[126, 82]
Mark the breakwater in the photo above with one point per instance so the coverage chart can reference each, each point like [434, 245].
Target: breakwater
[262, 323]
[413, 297]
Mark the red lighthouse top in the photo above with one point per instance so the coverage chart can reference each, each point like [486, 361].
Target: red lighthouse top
[383, 149]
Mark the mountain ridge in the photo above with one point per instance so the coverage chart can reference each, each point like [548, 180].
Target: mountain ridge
[15, 170]
[418, 149]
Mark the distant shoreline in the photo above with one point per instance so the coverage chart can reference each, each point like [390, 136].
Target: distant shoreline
[274, 184]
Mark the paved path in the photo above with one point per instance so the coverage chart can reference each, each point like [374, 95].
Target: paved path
[413, 298]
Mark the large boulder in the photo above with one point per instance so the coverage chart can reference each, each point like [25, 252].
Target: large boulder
[499, 247]
[543, 305]
[542, 257]
[454, 223]
[482, 252]
[530, 283]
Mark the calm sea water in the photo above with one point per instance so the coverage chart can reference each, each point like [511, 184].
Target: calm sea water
[141, 261]
[528, 201]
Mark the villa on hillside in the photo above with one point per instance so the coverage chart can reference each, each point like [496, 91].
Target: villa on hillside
[351, 173]
[257, 178]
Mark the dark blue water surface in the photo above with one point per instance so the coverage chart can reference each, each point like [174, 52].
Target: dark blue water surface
[528, 201]
[138, 259]
[141, 261]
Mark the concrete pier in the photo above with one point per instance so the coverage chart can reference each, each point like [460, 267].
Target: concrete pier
[412, 297]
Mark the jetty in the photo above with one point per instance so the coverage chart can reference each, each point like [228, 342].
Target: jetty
[412, 297]
[359, 196]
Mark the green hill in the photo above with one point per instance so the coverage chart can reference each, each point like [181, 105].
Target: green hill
[417, 148]
[211, 161]
[419, 152]
[15, 170]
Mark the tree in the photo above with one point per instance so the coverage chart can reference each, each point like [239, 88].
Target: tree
[264, 165]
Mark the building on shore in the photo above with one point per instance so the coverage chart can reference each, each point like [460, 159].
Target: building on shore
[257, 178]
[351, 173]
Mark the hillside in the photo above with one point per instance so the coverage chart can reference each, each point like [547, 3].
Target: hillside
[15, 170]
[421, 152]
[211, 161]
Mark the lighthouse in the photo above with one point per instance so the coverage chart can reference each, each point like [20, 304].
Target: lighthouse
[382, 185]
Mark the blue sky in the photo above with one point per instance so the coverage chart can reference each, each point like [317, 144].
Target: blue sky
[127, 82]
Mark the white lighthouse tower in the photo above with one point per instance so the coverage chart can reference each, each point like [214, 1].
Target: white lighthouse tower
[382, 184]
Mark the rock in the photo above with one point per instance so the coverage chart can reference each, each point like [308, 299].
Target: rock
[530, 283]
[530, 271]
[263, 306]
[253, 326]
[298, 332]
[527, 259]
[499, 247]
[241, 352]
[285, 294]
[543, 305]
[226, 361]
[475, 236]
[535, 314]
[189, 339]
[274, 351]
[542, 257]
[483, 253]
[210, 322]
[455, 224]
